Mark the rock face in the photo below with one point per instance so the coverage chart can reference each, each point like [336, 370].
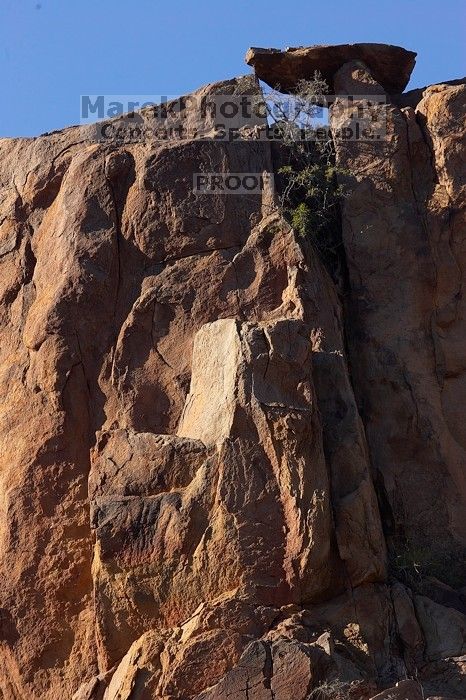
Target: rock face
[215, 467]
[408, 315]
[391, 66]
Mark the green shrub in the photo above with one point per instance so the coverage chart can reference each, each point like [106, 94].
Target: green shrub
[310, 194]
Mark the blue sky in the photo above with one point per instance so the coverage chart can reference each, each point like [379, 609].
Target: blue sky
[52, 51]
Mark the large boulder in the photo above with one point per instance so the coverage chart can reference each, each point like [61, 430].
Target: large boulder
[391, 66]
[404, 690]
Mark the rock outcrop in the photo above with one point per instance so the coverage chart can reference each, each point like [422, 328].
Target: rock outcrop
[407, 199]
[216, 468]
[391, 66]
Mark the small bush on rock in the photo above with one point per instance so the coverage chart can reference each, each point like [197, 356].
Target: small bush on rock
[310, 194]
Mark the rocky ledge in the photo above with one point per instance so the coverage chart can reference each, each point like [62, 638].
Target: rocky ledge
[391, 66]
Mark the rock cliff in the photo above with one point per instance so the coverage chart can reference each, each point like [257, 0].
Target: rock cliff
[221, 475]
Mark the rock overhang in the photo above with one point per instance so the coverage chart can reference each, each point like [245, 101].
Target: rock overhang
[391, 66]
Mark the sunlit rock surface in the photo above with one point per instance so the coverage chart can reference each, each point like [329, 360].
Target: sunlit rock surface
[209, 455]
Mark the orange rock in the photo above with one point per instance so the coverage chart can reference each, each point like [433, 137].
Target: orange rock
[195, 424]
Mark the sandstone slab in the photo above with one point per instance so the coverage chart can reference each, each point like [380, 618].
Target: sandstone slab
[390, 66]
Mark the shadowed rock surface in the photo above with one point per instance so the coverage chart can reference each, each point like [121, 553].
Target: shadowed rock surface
[217, 470]
[391, 66]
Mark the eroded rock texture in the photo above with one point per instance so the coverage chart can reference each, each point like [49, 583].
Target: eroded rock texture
[206, 450]
[391, 66]
[403, 233]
